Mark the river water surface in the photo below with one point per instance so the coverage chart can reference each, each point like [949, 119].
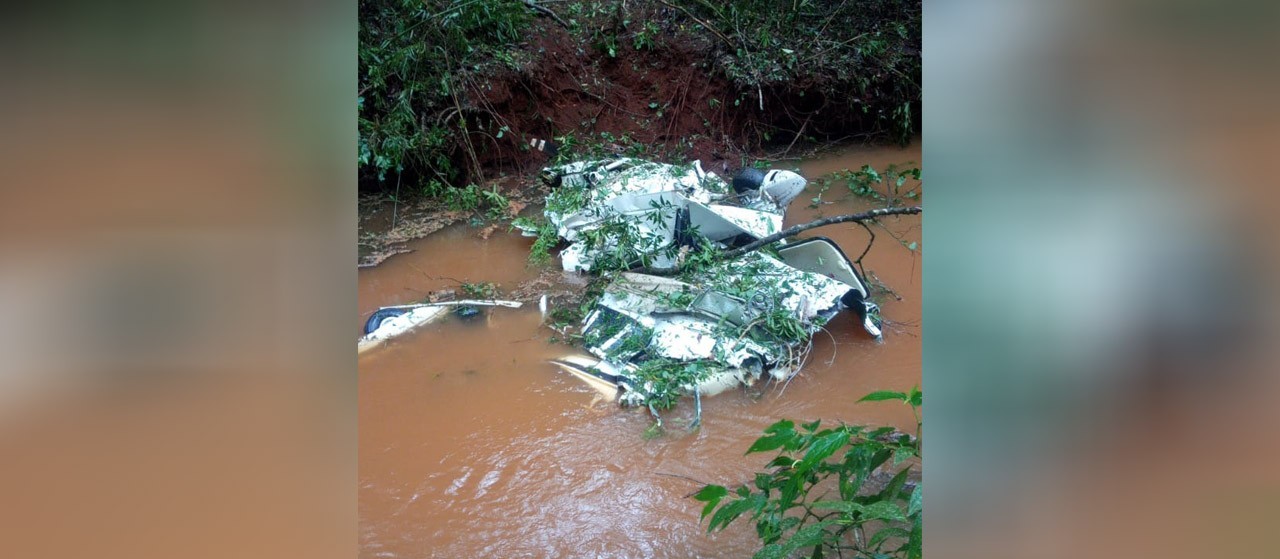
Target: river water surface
[472, 445]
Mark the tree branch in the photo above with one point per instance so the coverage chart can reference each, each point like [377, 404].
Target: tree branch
[790, 231]
[870, 242]
[532, 4]
[756, 245]
[706, 25]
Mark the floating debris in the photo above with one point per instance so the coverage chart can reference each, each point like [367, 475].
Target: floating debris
[389, 322]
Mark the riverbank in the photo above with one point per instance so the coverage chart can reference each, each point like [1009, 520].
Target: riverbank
[460, 98]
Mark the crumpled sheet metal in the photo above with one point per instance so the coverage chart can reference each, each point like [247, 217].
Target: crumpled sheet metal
[628, 209]
[759, 283]
[638, 203]
[418, 315]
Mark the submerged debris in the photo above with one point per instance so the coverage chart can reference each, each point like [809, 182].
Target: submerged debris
[694, 323]
[622, 212]
[389, 322]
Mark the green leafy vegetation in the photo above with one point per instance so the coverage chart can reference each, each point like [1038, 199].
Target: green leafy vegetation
[857, 57]
[472, 198]
[481, 290]
[416, 58]
[547, 238]
[424, 67]
[847, 514]
[894, 185]
[664, 380]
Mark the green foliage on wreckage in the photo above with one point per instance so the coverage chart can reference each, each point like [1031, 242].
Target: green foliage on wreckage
[676, 317]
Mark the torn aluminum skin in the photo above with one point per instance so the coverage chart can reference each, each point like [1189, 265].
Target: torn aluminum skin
[745, 317]
[629, 211]
[727, 315]
[390, 322]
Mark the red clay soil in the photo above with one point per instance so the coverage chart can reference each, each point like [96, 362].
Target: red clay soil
[664, 98]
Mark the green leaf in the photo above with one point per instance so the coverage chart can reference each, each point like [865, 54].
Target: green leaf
[916, 503]
[732, 511]
[778, 435]
[808, 536]
[915, 398]
[763, 481]
[886, 533]
[783, 461]
[878, 432]
[915, 545]
[879, 510]
[895, 485]
[771, 551]
[823, 447]
[883, 395]
[711, 495]
[902, 455]
[882, 510]
[847, 507]
[878, 459]
[788, 523]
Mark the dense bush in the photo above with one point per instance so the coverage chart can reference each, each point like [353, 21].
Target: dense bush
[415, 57]
[855, 64]
[860, 57]
[815, 497]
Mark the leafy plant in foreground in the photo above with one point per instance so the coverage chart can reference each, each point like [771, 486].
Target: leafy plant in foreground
[814, 497]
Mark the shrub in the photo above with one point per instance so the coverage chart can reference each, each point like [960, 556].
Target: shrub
[884, 523]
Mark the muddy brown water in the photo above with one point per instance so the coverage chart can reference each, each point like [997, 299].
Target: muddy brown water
[473, 445]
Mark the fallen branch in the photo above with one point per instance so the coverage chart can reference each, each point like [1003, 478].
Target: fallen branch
[790, 231]
[870, 242]
[859, 218]
[798, 134]
[704, 24]
[532, 4]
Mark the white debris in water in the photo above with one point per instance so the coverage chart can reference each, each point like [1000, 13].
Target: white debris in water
[418, 315]
[737, 319]
[632, 209]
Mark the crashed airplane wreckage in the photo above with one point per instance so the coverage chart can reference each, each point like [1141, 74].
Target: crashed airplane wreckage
[389, 322]
[719, 322]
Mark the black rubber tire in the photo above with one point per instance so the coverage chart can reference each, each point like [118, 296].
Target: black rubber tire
[380, 315]
[748, 180]
[852, 299]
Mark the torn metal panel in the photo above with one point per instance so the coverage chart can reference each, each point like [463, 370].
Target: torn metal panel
[392, 321]
[725, 324]
[636, 211]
